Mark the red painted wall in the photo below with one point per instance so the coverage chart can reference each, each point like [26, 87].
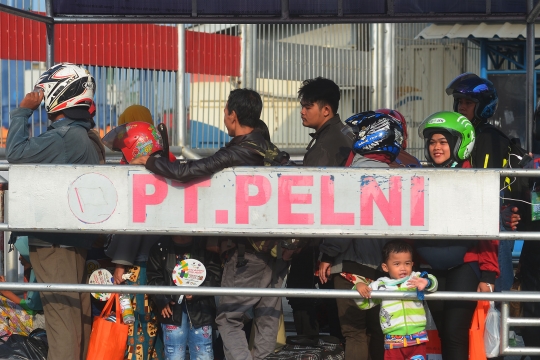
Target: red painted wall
[140, 46]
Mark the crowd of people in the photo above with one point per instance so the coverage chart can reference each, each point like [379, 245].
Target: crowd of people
[167, 327]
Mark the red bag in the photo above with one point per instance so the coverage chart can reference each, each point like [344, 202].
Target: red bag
[108, 340]
[476, 332]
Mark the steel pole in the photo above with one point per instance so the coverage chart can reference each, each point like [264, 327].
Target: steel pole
[530, 80]
[49, 48]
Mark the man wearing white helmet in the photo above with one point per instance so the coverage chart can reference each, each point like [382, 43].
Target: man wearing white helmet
[68, 91]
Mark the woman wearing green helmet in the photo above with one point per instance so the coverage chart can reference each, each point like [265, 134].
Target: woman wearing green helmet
[449, 139]
[462, 266]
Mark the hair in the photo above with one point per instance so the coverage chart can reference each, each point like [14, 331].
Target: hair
[247, 104]
[395, 246]
[321, 91]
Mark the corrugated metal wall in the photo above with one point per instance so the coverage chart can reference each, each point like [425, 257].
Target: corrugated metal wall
[423, 70]
[284, 56]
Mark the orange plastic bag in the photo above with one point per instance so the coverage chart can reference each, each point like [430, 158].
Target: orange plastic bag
[476, 332]
[108, 340]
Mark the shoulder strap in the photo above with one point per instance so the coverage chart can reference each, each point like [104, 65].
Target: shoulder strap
[349, 159]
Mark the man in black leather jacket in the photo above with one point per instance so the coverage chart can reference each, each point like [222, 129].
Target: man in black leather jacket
[241, 113]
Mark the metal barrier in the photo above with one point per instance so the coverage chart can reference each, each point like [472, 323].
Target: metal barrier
[481, 194]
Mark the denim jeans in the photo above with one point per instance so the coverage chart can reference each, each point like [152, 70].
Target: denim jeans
[176, 338]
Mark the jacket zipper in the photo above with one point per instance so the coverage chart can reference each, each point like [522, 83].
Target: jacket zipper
[187, 312]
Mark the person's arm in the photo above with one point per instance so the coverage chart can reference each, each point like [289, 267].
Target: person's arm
[488, 262]
[366, 302]
[9, 294]
[330, 248]
[20, 147]
[194, 169]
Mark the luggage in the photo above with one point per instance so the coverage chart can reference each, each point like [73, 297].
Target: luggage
[310, 348]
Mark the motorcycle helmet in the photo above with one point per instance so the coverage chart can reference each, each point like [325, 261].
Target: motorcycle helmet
[396, 114]
[376, 133]
[457, 129]
[472, 87]
[134, 140]
[67, 86]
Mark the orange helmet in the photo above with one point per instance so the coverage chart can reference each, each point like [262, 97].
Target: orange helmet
[399, 116]
[134, 140]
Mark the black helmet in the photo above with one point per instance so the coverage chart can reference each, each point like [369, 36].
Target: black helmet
[472, 87]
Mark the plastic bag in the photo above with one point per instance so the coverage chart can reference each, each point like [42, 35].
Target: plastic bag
[492, 332]
[24, 347]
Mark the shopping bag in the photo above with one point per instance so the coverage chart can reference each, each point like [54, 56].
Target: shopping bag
[108, 340]
[476, 332]
[492, 335]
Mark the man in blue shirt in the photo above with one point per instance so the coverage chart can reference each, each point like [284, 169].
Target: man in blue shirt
[68, 91]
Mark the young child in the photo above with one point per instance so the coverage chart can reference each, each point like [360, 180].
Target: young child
[187, 323]
[403, 322]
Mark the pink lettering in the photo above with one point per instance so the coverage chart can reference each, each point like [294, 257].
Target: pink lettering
[191, 198]
[371, 193]
[328, 214]
[222, 216]
[417, 201]
[141, 199]
[244, 200]
[286, 199]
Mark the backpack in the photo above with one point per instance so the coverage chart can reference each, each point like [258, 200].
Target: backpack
[272, 155]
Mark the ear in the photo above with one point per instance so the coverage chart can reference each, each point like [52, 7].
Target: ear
[384, 267]
[327, 111]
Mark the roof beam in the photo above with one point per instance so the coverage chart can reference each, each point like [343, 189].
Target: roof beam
[533, 14]
[345, 19]
[26, 14]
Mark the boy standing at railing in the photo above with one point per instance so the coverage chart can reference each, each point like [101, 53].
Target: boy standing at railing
[403, 321]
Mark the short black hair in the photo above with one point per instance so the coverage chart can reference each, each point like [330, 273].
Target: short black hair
[321, 91]
[247, 104]
[395, 246]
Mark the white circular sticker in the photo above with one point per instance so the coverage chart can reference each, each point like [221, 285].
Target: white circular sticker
[189, 272]
[92, 198]
[101, 277]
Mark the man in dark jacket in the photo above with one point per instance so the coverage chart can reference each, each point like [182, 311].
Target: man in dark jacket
[241, 113]
[68, 91]
[250, 269]
[332, 140]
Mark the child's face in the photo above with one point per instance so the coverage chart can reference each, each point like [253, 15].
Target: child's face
[439, 148]
[398, 265]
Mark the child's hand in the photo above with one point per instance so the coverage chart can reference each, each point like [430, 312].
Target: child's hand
[363, 290]
[417, 282]
[167, 312]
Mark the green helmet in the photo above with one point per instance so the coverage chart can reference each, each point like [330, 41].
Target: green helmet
[456, 126]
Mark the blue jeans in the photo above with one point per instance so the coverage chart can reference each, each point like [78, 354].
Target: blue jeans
[176, 338]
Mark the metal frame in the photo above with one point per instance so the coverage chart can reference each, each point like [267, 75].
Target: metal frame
[388, 17]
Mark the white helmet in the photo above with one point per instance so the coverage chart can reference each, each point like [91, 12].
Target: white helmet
[67, 86]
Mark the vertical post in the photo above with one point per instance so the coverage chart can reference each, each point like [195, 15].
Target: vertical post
[483, 58]
[383, 66]
[248, 51]
[49, 59]
[11, 258]
[505, 329]
[530, 81]
[181, 121]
